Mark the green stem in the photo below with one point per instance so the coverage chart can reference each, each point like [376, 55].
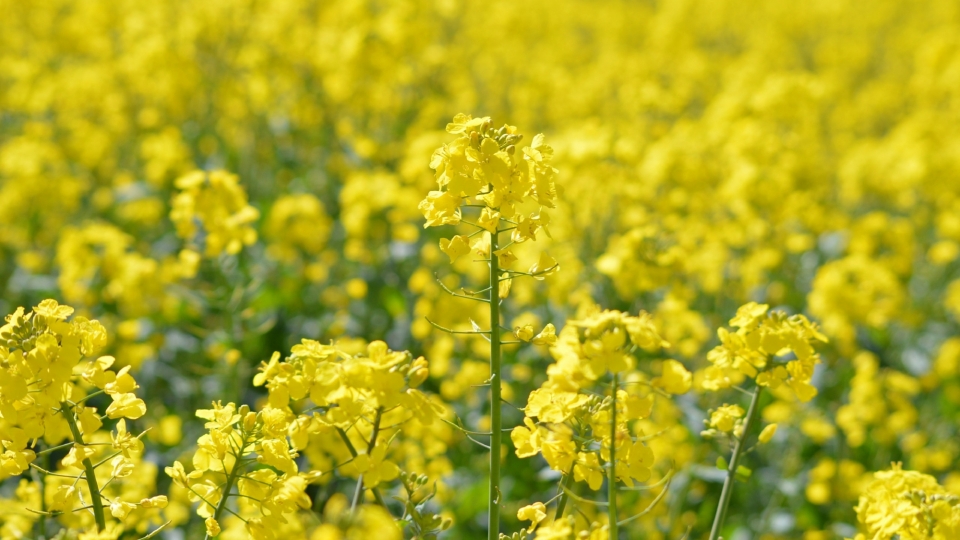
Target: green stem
[88, 469]
[564, 486]
[738, 452]
[353, 452]
[373, 442]
[41, 483]
[493, 520]
[612, 465]
[231, 479]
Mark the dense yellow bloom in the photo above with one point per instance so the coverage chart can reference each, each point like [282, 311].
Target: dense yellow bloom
[752, 350]
[699, 157]
[909, 505]
[43, 376]
[482, 167]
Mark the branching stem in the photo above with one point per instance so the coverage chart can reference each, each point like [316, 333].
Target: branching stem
[370, 446]
[231, 479]
[353, 452]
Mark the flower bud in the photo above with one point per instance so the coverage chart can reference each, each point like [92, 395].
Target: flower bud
[249, 421]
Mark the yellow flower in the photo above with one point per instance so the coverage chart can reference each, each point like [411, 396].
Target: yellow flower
[77, 454]
[440, 208]
[534, 513]
[276, 453]
[524, 333]
[213, 528]
[587, 468]
[126, 406]
[489, 219]
[526, 439]
[120, 509]
[88, 420]
[455, 247]
[53, 310]
[159, 501]
[375, 468]
[675, 378]
[547, 336]
[725, 418]
[544, 267]
[505, 257]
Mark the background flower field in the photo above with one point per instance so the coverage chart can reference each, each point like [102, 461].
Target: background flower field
[233, 189]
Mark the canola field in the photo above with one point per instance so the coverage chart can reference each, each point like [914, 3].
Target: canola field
[440, 269]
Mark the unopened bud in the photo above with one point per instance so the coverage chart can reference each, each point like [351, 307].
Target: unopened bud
[418, 372]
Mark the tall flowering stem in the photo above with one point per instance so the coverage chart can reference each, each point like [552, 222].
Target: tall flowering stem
[496, 428]
[588, 437]
[771, 348]
[43, 373]
[483, 169]
[88, 470]
[738, 451]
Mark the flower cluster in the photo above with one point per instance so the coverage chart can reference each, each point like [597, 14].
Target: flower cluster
[365, 410]
[769, 347]
[249, 452]
[45, 396]
[481, 168]
[908, 505]
[587, 436]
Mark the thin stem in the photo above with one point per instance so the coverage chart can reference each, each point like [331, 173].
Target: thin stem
[91, 475]
[612, 464]
[493, 520]
[457, 295]
[353, 452]
[654, 502]
[373, 442]
[55, 448]
[41, 482]
[449, 331]
[88, 396]
[564, 483]
[58, 475]
[727, 492]
[231, 479]
[356, 494]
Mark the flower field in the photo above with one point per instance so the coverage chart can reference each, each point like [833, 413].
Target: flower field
[439, 269]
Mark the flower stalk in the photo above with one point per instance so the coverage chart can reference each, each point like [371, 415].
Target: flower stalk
[95, 501]
[738, 450]
[231, 480]
[373, 442]
[612, 464]
[496, 431]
